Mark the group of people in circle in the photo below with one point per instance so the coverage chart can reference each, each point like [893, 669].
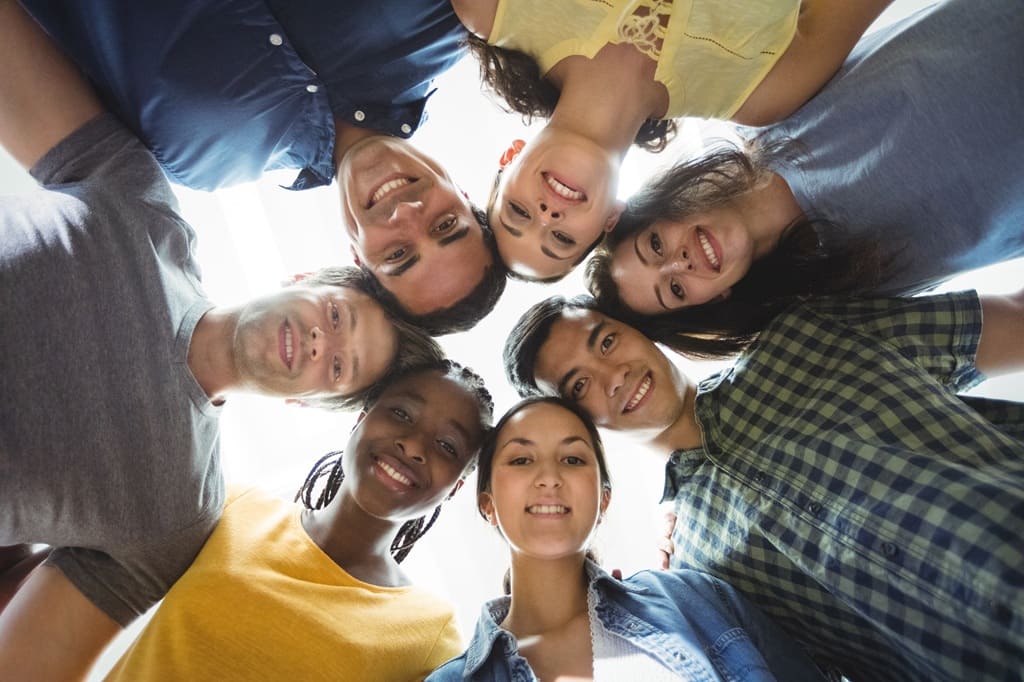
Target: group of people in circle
[842, 509]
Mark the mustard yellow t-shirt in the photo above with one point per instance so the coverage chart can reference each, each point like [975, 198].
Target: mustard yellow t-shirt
[263, 602]
[711, 54]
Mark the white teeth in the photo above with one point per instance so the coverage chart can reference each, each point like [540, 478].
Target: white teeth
[708, 250]
[641, 391]
[387, 187]
[564, 191]
[288, 344]
[394, 473]
[547, 509]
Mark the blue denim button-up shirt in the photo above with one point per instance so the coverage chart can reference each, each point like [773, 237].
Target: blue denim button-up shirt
[692, 623]
[222, 90]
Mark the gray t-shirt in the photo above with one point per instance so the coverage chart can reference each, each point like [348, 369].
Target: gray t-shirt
[916, 143]
[108, 445]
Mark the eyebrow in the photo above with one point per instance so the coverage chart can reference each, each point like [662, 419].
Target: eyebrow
[454, 237]
[511, 230]
[550, 254]
[526, 441]
[404, 267]
[657, 295]
[636, 247]
[591, 340]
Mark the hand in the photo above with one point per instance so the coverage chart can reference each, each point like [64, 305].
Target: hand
[665, 545]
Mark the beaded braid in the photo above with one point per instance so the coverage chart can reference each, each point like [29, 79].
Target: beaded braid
[329, 466]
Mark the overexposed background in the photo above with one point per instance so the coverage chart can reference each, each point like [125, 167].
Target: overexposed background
[252, 237]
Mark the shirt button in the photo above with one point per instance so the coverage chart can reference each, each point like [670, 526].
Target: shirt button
[760, 477]
[889, 549]
[276, 39]
[814, 508]
[311, 88]
[406, 128]
[359, 116]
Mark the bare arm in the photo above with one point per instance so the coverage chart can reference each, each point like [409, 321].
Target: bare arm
[43, 97]
[50, 631]
[1001, 349]
[826, 32]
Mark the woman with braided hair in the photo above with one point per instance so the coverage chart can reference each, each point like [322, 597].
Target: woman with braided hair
[284, 591]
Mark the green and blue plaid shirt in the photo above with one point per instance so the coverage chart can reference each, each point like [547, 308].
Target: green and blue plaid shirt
[848, 490]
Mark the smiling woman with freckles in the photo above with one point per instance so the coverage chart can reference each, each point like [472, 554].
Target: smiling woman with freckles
[284, 591]
[544, 485]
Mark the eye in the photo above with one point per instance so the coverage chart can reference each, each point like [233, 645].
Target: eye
[578, 389]
[677, 290]
[518, 461]
[563, 238]
[518, 210]
[337, 369]
[334, 314]
[396, 255]
[401, 414]
[607, 342]
[656, 243]
[575, 461]
[446, 225]
[449, 448]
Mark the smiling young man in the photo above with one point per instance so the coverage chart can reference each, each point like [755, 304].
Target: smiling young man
[428, 248]
[115, 364]
[833, 473]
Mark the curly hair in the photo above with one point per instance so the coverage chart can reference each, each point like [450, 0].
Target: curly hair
[464, 313]
[414, 346]
[814, 257]
[515, 78]
[329, 466]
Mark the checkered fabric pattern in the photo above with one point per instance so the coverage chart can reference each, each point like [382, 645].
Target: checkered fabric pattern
[846, 489]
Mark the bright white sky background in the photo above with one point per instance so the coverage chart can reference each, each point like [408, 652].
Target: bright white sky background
[251, 237]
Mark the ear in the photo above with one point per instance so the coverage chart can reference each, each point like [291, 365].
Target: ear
[511, 153]
[606, 498]
[296, 401]
[457, 488]
[485, 503]
[355, 256]
[614, 214]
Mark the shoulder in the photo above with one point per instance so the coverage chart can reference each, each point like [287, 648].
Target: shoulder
[452, 670]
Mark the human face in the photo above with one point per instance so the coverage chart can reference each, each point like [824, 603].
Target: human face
[410, 450]
[672, 265]
[312, 341]
[545, 489]
[553, 202]
[615, 373]
[410, 225]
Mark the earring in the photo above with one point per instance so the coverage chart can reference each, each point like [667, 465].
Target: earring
[511, 153]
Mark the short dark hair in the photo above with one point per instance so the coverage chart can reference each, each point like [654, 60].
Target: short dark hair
[465, 313]
[329, 466]
[813, 257]
[529, 334]
[414, 347]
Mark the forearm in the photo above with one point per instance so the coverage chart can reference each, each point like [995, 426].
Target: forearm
[1001, 348]
[50, 631]
[43, 97]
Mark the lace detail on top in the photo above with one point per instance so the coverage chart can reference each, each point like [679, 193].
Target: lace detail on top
[647, 26]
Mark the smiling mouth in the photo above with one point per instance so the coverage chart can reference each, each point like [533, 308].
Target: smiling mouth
[387, 188]
[641, 392]
[286, 344]
[563, 190]
[709, 250]
[395, 474]
[547, 509]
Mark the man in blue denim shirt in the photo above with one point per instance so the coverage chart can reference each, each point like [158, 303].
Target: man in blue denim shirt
[833, 474]
[222, 91]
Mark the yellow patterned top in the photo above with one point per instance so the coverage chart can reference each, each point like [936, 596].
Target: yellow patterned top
[711, 54]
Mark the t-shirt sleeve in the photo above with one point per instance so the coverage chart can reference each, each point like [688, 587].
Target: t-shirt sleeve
[104, 154]
[447, 646]
[939, 333]
[125, 587]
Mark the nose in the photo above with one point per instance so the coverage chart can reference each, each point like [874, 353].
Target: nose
[548, 475]
[554, 214]
[411, 448]
[676, 265]
[321, 344]
[407, 213]
[614, 379]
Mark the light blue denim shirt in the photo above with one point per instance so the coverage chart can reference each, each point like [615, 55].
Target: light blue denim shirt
[692, 623]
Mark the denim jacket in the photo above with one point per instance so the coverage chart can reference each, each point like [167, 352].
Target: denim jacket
[692, 623]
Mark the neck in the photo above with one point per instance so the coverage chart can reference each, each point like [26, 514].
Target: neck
[210, 353]
[584, 106]
[346, 135]
[546, 594]
[684, 432]
[769, 209]
[355, 541]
